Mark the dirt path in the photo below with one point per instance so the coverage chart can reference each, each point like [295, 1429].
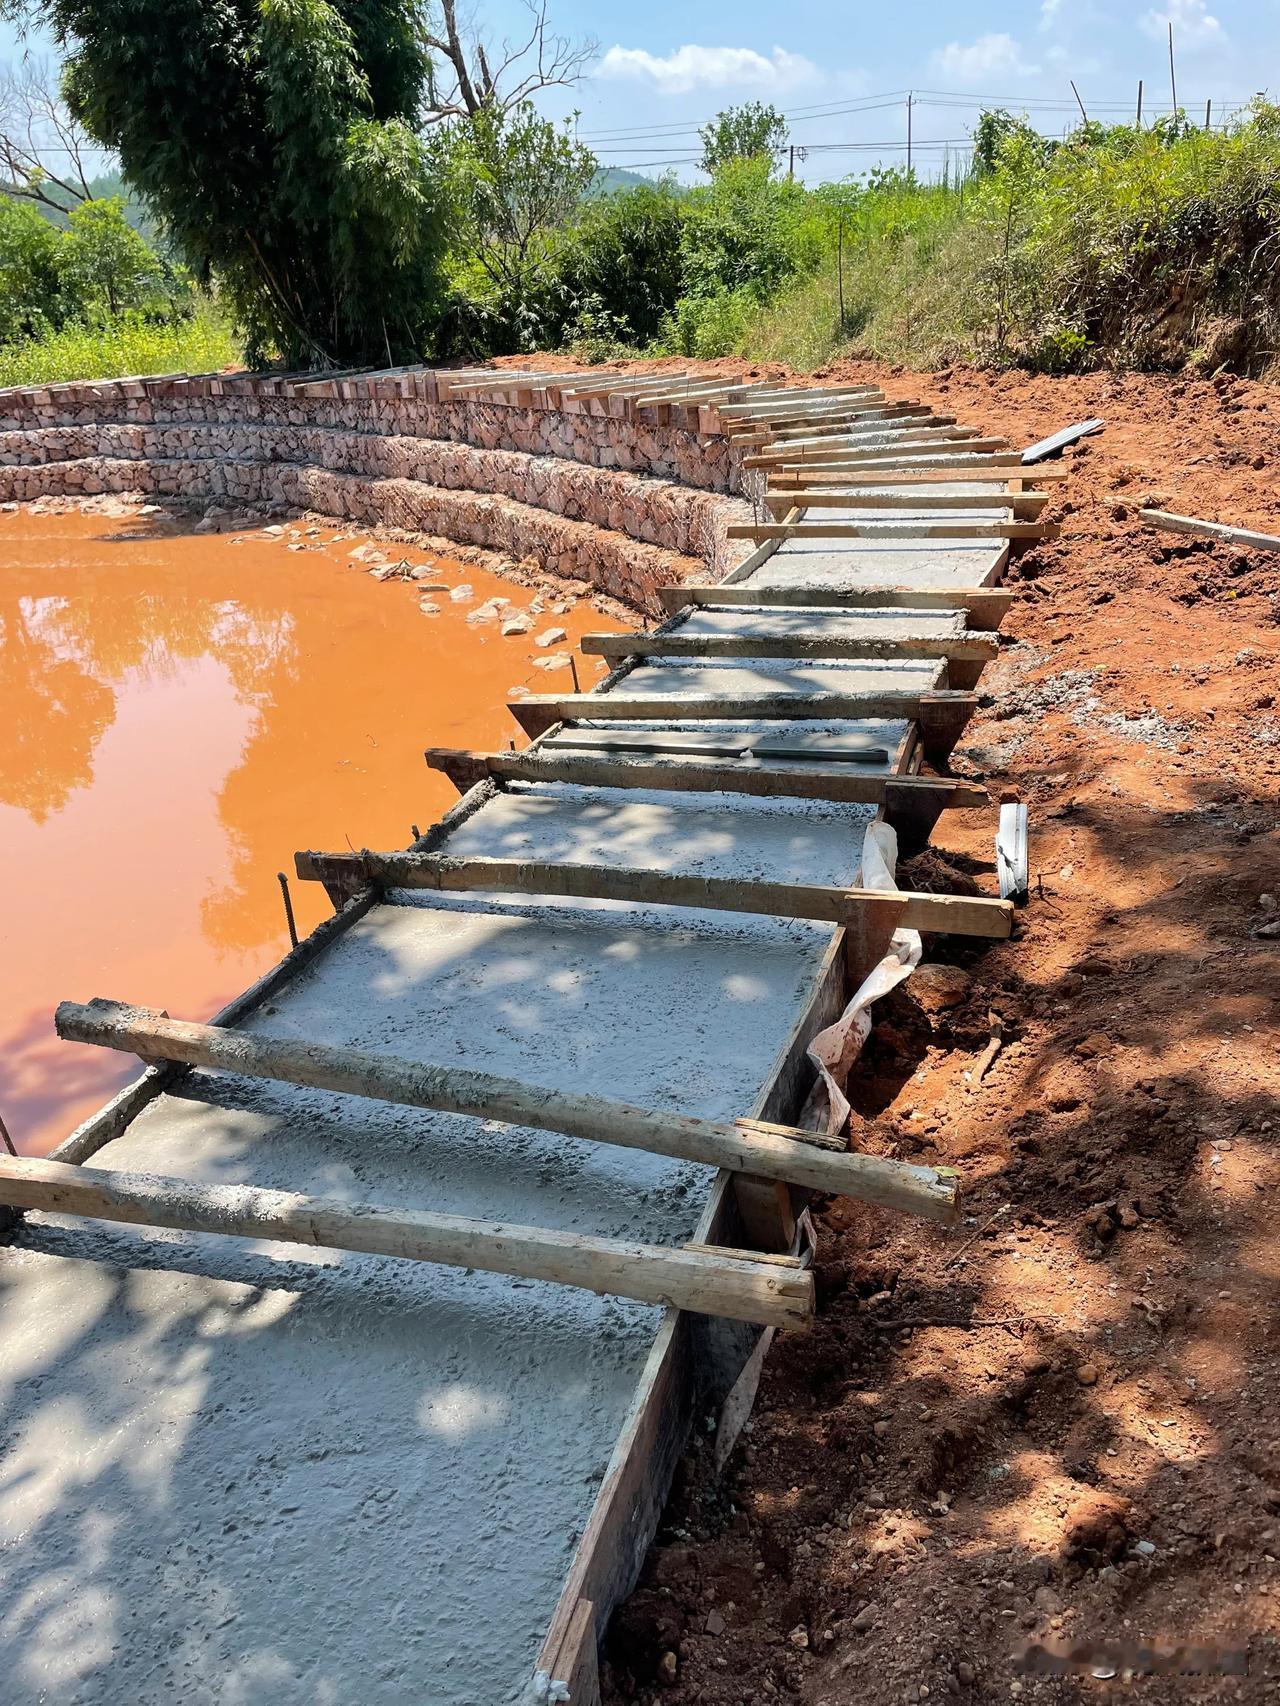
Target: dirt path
[1066, 1429]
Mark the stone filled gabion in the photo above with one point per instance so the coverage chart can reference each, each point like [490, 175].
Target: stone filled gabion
[626, 504]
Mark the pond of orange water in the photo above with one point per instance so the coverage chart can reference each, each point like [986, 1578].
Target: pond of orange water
[179, 713]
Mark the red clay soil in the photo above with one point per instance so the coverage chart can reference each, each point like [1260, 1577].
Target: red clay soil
[1057, 1424]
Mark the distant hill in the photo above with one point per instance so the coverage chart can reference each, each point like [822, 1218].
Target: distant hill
[104, 187]
[611, 178]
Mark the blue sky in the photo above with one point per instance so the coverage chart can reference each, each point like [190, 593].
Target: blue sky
[842, 72]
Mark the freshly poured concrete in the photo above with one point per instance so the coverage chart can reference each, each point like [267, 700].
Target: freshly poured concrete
[763, 676]
[237, 1472]
[849, 564]
[776, 620]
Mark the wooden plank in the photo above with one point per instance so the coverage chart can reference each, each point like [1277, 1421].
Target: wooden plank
[538, 711]
[730, 1286]
[770, 1151]
[821, 477]
[985, 606]
[873, 417]
[789, 645]
[1058, 441]
[815, 782]
[933, 429]
[760, 531]
[779, 501]
[1241, 536]
[770, 409]
[910, 452]
[958, 915]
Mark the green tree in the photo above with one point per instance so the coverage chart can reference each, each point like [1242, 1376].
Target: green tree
[105, 265]
[31, 294]
[623, 257]
[742, 133]
[513, 181]
[998, 134]
[277, 141]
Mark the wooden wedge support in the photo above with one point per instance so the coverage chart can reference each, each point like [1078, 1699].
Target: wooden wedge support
[957, 915]
[732, 1286]
[970, 647]
[767, 1151]
[986, 606]
[941, 713]
[812, 781]
[760, 531]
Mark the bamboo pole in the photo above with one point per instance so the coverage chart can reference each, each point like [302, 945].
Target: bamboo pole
[798, 1157]
[733, 1286]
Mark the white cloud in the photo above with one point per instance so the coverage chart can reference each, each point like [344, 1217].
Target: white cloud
[693, 67]
[1194, 25]
[989, 56]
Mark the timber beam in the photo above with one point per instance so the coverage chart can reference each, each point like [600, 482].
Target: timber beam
[956, 915]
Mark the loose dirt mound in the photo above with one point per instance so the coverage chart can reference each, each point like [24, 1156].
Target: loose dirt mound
[1060, 1425]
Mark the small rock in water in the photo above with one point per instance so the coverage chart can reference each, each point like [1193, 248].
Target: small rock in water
[556, 660]
[551, 637]
[429, 607]
[516, 625]
[461, 594]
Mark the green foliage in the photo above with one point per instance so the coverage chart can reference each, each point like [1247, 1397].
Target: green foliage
[276, 141]
[95, 269]
[747, 232]
[134, 343]
[30, 279]
[1149, 248]
[511, 181]
[623, 258]
[749, 132]
[106, 266]
[998, 136]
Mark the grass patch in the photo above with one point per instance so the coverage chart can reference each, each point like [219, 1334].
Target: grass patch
[119, 349]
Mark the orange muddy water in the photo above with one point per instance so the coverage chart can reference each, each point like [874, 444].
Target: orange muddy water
[179, 713]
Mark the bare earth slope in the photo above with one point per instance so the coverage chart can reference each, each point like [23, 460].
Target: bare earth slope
[1060, 1424]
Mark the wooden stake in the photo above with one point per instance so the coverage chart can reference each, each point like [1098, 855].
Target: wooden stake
[778, 1152]
[760, 531]
[731, 1286]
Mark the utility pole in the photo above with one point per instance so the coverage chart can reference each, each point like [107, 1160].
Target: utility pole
[1083, 114]
[910, 104]
[1138, 120]
[1173, 80]
[1208, 109]
[791, 169]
